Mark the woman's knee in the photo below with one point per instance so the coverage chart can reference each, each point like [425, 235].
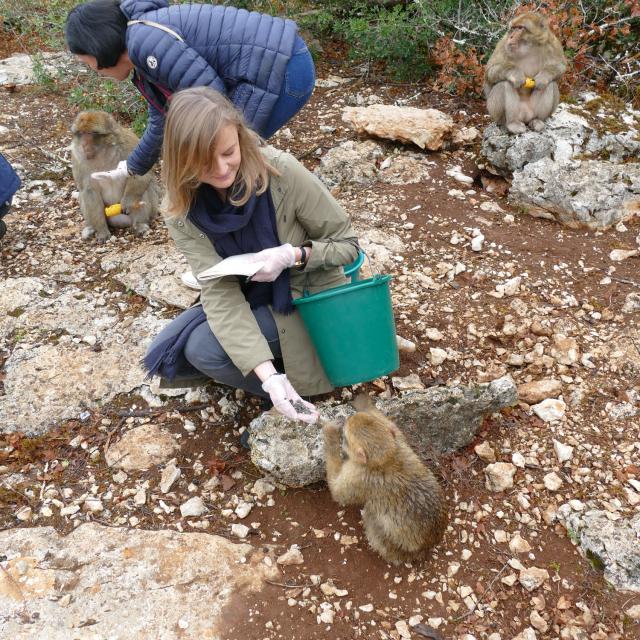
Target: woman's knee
[203, 350]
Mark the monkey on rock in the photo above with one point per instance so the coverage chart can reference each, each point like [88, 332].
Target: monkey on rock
[521, 76]
[405, 512]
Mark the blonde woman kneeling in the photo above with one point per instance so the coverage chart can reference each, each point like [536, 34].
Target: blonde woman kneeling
[228, 194]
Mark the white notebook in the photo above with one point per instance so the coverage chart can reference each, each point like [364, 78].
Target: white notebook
[240, 265]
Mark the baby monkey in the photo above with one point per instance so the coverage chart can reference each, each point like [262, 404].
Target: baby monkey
[405, 512]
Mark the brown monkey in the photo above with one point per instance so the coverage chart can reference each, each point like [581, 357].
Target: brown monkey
[520, 78]
[99, 143]
[405, 512]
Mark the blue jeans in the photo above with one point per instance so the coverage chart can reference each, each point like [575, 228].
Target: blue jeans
[298, 85]
[206, 355]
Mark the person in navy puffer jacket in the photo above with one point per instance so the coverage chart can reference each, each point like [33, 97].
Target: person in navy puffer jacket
[258, 61]
[9, 184]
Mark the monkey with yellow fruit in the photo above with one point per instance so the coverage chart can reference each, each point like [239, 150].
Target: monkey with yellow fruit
[522, 73]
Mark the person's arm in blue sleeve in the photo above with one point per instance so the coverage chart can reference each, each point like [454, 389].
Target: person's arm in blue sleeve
[142, 158]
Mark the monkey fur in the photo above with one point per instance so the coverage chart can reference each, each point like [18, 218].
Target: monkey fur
[528, 51]
[99, 143]
[404, 512]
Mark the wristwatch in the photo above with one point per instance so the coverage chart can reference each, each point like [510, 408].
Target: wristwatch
[303, 259]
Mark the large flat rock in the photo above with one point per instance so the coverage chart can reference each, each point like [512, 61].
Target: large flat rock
[122, 584]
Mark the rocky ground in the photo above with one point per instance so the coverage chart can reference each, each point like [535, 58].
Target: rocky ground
[129, 512]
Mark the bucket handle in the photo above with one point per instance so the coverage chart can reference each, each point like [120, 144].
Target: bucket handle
[351, 270]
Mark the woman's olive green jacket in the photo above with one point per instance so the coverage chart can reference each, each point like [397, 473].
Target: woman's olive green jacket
[306, 214]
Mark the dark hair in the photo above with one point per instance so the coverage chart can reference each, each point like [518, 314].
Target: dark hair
[97, 29]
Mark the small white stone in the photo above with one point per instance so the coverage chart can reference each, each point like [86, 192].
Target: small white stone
[433, 334]
[517, 544]
[93, 505]
[550, 410]
[485, 452]
[552, 481]
[437, 356]
[533, 578]
[538, 622]
[452, 569]
[327, 616]
[564, 452]
[240, 530]
[70, 510]
[367, 608]
[90, 340]
[576, 505]
[189, 426]
[140, 498]
[518, 460]
[262, 488]
[291, 557]
[243, 510]
[24, 514]
[403, 629]
[477, 242]
[169, 475]
[499, 476]
[193, 507]
[634, 612]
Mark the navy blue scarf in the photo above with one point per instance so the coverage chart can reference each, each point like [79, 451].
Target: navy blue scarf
[232, 230]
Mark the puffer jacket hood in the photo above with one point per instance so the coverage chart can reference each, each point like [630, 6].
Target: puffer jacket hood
[133, 9]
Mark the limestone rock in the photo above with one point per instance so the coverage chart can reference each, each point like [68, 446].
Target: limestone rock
[141, 448]
[563, 452]
[552, 481]
[485, 452]
[19, 68]
[57, 381]
[350, 163]
[161, 580]
[499, 476]
[380, 247]
[550, 410]
[291, 557]
[565, 350]
[613, 544]
[408, 382]
[427, 128]
[193, 507]
[539, 390]
[153, 272]
[533, 578]
[581, 193]
[292, 452]
[405, 168]
[439, 419]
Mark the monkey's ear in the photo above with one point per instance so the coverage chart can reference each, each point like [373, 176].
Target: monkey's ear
[359, 455]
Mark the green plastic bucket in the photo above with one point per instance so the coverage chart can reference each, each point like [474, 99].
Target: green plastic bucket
[353, 330]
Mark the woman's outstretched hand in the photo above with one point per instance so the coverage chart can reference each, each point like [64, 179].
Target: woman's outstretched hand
[276, 260]
[287, 401]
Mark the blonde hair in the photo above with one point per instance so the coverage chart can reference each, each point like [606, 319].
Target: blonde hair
[194, 119]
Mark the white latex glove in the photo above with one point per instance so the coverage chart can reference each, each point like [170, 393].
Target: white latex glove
[276, 260]
[284, 396]
[118, 173]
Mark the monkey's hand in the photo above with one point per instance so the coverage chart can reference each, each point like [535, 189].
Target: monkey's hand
[287, 401]
[119, 173]
[516, 78]
[542, 79]
[331, 432]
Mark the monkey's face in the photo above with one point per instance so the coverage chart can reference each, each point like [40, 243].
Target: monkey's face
[89, 144]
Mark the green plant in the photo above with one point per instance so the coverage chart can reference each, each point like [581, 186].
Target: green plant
[119, 98]
[35, 24]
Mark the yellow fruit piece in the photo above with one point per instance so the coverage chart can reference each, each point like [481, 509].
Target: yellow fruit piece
[113, 210]
[529, 83]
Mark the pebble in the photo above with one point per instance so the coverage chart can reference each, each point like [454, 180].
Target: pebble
[93, 505]
[403, 629]
[550, 410]
[477, 242]
[552, 481]
[437, 356]
[499, 476]
[193, 507]
[169, 475]
[485, 452]
[533, 578]
[240, 530]
[243, 510]
[517, 544]
[262, 488]
[290, 557]
[433, 334]
[70, 510]
[24, 514]
[563, 452]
